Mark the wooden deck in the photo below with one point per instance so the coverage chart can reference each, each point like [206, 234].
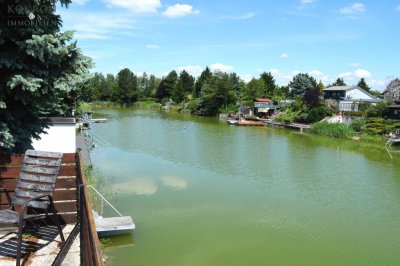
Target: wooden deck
[65, 197]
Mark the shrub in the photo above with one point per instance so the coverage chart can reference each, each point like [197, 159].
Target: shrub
[378, 126]
[357, 124]
[335, 130]
[377, 110]
[288, 117]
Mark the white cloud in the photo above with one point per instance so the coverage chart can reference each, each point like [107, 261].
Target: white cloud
[285, 55]
[79, 2]
[152, 46]
[259, 70]
[247, 78]
[347, 75]
[354, 64]
[240, 17]
[379, 85]
[221, 67]
[180, 10]
[305, 3]
[352, 76]
[164, 74]
[192, 70]
[139, 6]
[318, 75]
[281, 77]
[99, 26]
[361, 73]
[352, 9]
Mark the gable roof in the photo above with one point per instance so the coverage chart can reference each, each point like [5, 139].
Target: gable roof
[349, 88]
[340, 88]
[263, 100]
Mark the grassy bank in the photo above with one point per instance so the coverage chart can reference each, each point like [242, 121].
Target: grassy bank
[146, 103]
[344, 131]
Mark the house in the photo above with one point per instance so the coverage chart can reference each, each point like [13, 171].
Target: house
[394, 111]
[263, 107]
[392, 92]
[58, 137]
[261, 102]
[349, 97]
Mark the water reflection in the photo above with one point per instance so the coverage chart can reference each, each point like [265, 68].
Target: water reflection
[174, 182]
[139, 186]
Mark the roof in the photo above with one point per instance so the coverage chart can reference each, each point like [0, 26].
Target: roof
[394, 106]
[349, 88]
[340, 88]
[266, 100]
[62, 120]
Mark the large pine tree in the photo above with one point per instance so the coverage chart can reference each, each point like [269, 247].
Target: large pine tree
[39, 67]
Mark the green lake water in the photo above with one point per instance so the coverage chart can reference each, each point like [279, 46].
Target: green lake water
[202, 192]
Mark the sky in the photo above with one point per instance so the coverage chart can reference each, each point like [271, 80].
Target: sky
[327, 39]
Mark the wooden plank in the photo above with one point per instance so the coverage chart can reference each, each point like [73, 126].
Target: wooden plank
[38, 178]
[40, 170]
[35, 186]
[59, 194]
[66, 206]
[29, 194]
[35, 204]
[16, 160]
[12, 160]
[44, 154]
[40, 161]
[13, 172]
[69, 158]
[10, 184]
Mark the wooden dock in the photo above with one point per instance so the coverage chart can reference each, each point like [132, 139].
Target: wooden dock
[84, 151]
[98, 120]
[268, 122]
[297, 126]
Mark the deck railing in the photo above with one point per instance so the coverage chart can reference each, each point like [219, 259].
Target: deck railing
[90, 246]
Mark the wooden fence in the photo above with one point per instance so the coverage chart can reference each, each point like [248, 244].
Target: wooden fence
[90, 246]
[71, 199]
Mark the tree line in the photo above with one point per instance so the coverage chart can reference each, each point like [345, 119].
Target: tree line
[209, 94]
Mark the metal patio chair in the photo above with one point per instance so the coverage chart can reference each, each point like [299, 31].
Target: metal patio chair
[35, 187]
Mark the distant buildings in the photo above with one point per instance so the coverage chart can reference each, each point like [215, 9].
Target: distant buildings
[349, 97]
[392, 92]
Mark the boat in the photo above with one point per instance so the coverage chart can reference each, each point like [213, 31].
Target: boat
[245, 123]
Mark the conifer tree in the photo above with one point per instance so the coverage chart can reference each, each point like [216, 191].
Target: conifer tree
[40, 66]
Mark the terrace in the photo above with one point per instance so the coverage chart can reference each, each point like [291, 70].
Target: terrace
[41, 242]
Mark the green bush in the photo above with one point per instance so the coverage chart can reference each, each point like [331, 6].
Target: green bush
[377, 110]
[288, 117]
[378, 126]
[357, 124]
[335, 130]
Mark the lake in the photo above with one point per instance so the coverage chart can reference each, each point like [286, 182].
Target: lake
[202, 192]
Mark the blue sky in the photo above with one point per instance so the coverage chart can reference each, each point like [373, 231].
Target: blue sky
[327, 39]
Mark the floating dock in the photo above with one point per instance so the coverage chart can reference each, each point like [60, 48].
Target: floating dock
[98, 120]
[113, 225]
[109, 226]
